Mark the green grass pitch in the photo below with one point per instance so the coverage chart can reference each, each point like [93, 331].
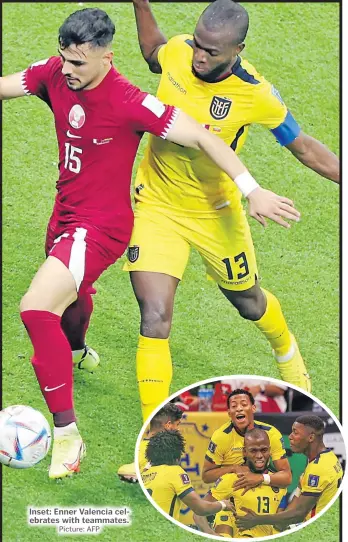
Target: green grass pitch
[296, 47]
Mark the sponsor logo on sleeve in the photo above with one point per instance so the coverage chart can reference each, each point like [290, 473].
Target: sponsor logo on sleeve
[313, 480]
[154, 105]
[212, 446]
[185, 478]
[275, 93]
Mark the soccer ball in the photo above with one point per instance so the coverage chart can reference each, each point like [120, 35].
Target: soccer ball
[25, 436]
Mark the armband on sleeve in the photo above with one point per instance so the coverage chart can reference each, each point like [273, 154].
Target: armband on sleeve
[287, 131]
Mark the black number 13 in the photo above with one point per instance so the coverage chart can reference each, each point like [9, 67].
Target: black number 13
[242, 265]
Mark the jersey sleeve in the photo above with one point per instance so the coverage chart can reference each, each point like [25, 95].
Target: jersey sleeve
[272, 112]
[215, 452]
[277, 444]
[223, 488]
[146, 113]
[314, 481]
[181, 482]
[36, 79]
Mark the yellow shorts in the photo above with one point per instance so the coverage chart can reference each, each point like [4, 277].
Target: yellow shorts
[161, 243]
[225, 518]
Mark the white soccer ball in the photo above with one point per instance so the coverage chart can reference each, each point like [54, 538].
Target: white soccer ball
[25, 436]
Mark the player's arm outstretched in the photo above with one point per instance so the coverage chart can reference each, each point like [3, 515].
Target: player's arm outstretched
[315, 155]
[202, 507]
[262, 203]
[294, 514]
[149, 35]
[11, 86]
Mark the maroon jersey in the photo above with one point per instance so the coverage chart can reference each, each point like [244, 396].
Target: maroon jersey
[98, 134]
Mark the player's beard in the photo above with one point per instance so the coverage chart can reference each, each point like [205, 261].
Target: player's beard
[214, 74]
[79, 87]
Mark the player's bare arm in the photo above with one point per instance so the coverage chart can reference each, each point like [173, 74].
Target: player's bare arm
[201, 521]
[262, 203]
[202, 507]
[296, 514]
[211, 471]
[281, 478]
[149, 35]
[313, 154]
[11, 86]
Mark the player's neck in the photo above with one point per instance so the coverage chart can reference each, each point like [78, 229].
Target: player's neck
[99, 79]
[315, 449]
[227, 72]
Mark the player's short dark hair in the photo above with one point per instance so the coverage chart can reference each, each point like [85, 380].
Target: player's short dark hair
[169, 413]
[223, 13]
[165, 448]
[312, 421]
[90, 25]
[256, 433]
[240, 391]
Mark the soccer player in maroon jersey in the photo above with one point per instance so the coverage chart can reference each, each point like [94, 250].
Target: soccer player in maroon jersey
[99, 118]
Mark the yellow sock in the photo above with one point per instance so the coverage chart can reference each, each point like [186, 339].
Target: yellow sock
[274, 327]
[154, 372]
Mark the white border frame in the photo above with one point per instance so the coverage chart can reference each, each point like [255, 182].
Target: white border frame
[239, 377]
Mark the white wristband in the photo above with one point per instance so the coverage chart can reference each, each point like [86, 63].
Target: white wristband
[266, 479]
[223, 505]
[246, 183]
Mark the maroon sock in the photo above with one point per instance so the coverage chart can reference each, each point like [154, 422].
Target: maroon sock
[75, 320]
[52, 360]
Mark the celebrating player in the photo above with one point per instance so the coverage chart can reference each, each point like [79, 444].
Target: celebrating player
[167, 418]
[318, 484]
[168, 483]
[184, 201]
[99, 118]
[225, 450]
[264, 499]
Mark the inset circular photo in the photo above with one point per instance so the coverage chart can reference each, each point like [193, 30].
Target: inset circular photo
[241, 457]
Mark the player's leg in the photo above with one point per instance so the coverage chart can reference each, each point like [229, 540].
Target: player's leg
[230, 260]
[76, 317]
[51, 291]
[75, 322]
[155, 294]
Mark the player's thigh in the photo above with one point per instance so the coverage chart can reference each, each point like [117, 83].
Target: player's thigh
[52, 289]
[226, 247]
[156, 244]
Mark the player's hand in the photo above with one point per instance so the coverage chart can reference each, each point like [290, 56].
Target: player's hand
[266, 204]
[248, 521]
[229, 507]
[247, 481]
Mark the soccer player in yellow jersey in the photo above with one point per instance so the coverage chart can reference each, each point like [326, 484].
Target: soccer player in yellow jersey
[319, 482]
[168, 483]
[225, 450]
[263, 499]
[183, 200]
[167, 418]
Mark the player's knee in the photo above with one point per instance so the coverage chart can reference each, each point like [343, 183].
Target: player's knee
[155, 319]
[252, 308]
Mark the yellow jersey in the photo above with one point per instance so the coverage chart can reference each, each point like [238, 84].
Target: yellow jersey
[322, 477]
[261, 500]
[167, 484]
[141, 455]
[185, 181]
[226, 444]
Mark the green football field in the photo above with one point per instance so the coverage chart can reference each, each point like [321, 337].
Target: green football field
[296, 46]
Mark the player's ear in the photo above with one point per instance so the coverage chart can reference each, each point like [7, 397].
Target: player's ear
[240, 48]
[107, 57]
[253, 408]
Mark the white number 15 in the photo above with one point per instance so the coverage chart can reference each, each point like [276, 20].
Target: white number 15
[72, 161]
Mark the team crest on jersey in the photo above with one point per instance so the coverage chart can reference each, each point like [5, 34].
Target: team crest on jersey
[133, 253]
[220, 107]
[185, 478]
[275, 489]
[77, 116]
[313, 480]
